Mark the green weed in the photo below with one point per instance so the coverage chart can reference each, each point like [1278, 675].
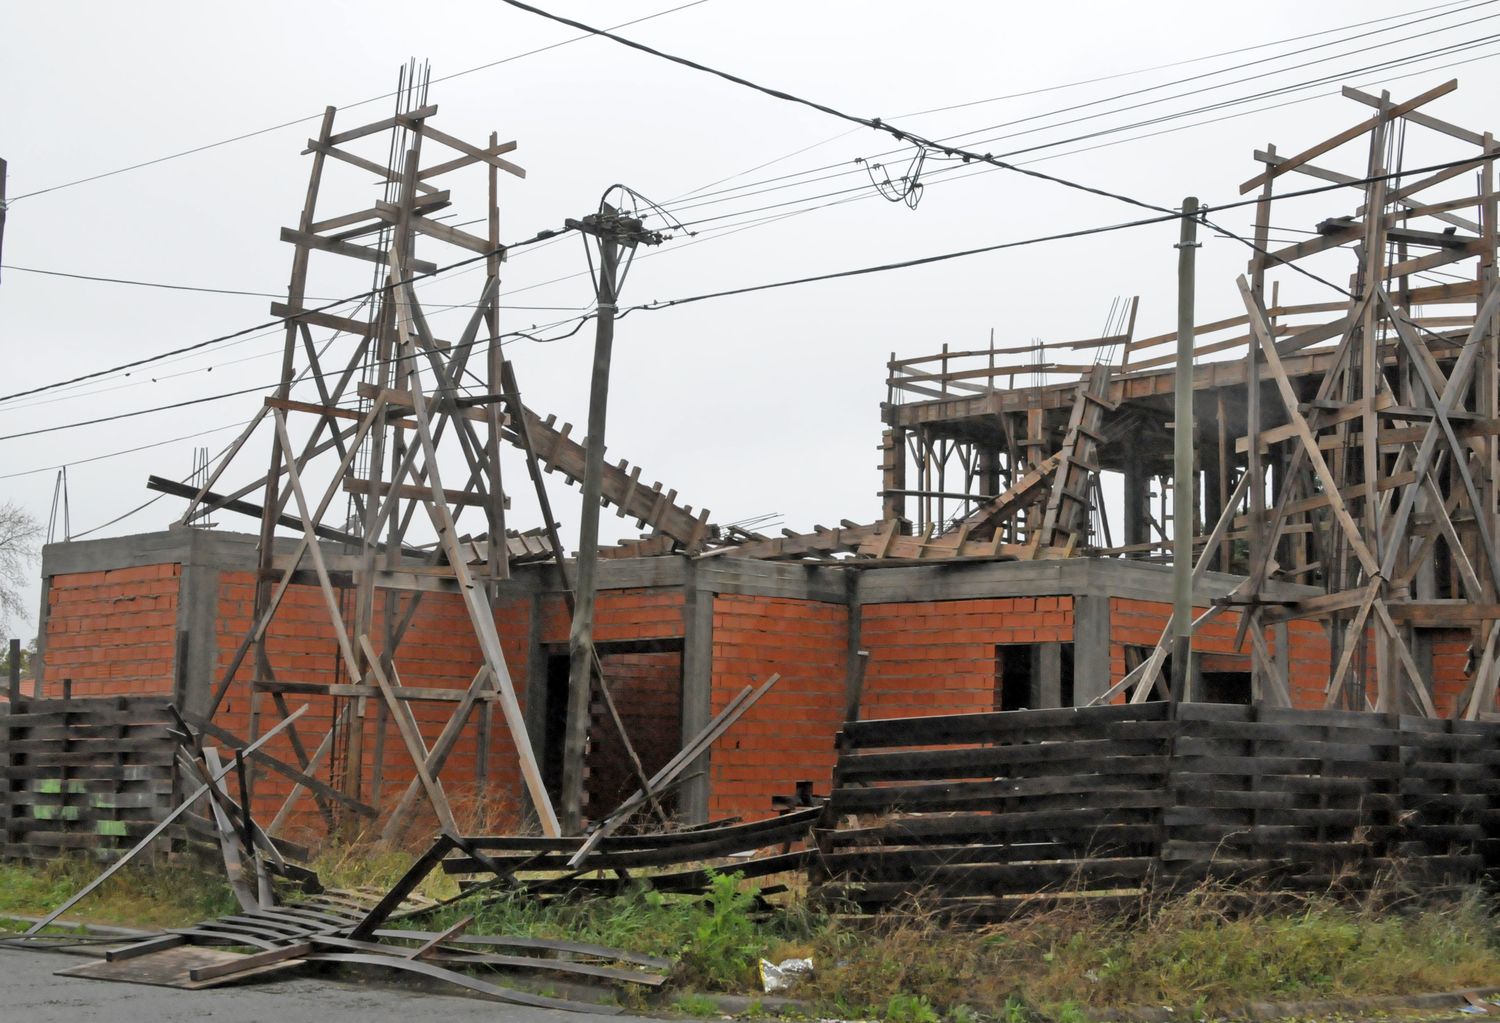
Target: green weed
[910, 1009]
[696, 1005]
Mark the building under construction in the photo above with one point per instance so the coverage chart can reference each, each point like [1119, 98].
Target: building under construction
[458, 668]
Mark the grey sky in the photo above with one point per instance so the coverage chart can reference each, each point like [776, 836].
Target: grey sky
[767, 403]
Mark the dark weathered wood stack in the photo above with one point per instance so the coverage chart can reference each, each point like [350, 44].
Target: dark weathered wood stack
[981, 812]
[986, 807]
[674, 861]
[83, 775]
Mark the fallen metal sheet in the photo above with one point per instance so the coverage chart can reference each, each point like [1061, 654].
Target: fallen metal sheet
[173, 967]
[576, 948]
[475, 958]
[495, 991]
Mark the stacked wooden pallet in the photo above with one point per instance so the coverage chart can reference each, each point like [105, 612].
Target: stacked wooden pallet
[968, 812]
[673, 861]
[83, 775]
[1315, 798]
[980, 812]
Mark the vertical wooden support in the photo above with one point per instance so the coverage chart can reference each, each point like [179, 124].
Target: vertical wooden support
[15, 674]
[1137, 501]
[893, 473]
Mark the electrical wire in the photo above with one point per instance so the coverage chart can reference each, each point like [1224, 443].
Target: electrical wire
[125, 451]
[875, 123]
[223, 291]
[746, 191]
[1169, 215]
[278, 321]
[849, 170]
[1067, 85]
[347, 106]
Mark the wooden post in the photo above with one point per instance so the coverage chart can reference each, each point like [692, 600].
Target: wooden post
[15, 673]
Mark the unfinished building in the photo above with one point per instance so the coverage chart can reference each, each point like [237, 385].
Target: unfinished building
[1345, 550]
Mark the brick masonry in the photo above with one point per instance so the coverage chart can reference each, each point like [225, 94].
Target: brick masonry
[113, 632]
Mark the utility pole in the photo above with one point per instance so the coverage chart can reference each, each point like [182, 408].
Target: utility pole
[2, 206]
[612, 232]
[1183, 436]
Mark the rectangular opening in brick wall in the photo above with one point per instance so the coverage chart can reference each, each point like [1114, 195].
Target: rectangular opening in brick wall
[1135, 656]
[1029, 676]
[1224, 687]
[647, 688]
[555, 725]
[1015, 676]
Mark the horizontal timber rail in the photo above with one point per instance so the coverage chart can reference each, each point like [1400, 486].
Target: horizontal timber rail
[83, 776]
[978, 814]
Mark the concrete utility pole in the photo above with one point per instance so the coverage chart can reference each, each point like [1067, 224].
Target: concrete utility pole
[613, 231]
[1183, 437]
[2, 206]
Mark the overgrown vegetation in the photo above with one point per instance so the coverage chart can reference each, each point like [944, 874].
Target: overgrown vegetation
[1204, 952]
[1208, 951]
[143, 895]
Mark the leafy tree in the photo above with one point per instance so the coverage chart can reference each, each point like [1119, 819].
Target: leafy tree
[19, 536]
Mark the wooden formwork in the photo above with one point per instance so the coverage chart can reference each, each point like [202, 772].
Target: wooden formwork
[984, 812]
[1345, 440]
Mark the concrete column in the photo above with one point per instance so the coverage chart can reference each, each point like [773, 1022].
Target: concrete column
[535, 710]
[1137, 501]
[198, 617]
[1048, 675]
[697, 693]
[853, 684]
[1091, 632]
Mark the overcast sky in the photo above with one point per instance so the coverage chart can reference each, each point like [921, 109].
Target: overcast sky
[749, 405]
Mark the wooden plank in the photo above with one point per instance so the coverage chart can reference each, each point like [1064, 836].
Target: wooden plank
[1349, 134]
[162, 826]
[411, 735]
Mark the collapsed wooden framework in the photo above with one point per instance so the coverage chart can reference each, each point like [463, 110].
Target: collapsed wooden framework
[404, 403]
[1349, 445]
[1373, 466]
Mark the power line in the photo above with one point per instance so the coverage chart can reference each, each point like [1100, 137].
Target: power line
[1203, 213]
[741, 190]
[137, 412]
[1264, 94]
[219, 291]
[281, 320]
[1248, 78]
[1072, 85]
[350, 106]
[1169, 215]
[123, 451]
[898, 133]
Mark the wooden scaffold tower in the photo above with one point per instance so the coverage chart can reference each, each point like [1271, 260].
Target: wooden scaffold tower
[389, 425]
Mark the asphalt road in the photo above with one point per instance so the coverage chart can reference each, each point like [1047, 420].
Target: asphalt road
[29, 993]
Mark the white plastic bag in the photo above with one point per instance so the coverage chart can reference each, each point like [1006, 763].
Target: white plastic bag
[784, 975]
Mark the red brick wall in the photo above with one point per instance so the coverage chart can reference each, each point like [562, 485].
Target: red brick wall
[113, 633]
[788, 736]
[1140, 623]
[1450, 652]
[439, 651]
[938, 657]
[621, 615]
